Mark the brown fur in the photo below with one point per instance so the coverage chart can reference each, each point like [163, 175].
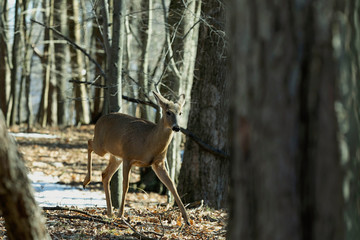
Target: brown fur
[136, 142]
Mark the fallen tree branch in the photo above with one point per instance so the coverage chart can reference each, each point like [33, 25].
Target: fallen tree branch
[94, 218]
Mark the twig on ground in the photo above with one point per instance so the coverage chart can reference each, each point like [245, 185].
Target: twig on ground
[96, 219]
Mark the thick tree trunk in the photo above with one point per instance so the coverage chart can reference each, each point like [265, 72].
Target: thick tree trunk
[23, 218]
[285, 169]
[204, 176]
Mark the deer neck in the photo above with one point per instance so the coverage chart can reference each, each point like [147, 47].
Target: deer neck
[163, 135]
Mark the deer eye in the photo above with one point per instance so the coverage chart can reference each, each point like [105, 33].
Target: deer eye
[180, 113]
[168, 113]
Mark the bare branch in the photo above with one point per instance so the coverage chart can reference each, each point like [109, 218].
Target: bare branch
[73, 44]
[88, 83]
[204, 145]
[134, 100]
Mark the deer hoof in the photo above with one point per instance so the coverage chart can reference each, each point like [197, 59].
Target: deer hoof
[86, 182]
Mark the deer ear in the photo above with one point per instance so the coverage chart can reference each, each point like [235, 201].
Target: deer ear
[181, 100]
[160, 99]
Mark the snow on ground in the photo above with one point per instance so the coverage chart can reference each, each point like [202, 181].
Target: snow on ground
[49, 193]
[34, 135]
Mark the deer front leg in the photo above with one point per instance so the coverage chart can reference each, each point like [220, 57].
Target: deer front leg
[106, 177]
[126, 173]
[89, 165]
[163, 175]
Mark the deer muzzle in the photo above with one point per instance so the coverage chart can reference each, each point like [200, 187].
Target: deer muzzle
[175, 128]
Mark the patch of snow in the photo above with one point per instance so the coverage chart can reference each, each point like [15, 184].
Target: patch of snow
[34, 135]
[49, 193]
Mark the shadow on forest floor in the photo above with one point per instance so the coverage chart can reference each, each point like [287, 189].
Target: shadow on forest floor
[61, 160]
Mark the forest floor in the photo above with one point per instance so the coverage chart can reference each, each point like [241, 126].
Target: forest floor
[147, 215]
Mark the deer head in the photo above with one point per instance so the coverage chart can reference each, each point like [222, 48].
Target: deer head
[170, 110]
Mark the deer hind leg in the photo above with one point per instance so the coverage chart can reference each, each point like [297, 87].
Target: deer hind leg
[106, 177]
[126, 174]
[89, 165]
[163, 175]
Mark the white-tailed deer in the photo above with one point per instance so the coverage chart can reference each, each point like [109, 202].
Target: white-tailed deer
[136, 142]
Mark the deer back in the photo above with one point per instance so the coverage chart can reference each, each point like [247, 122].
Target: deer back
[130, 138]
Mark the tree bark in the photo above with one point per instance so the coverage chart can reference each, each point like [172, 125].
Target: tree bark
[42, 116]
[184, 31]
[204, 176]
[98, 51]
[4, 59]
[26, 71]
[82, 109]
[15, 60]
[285, 170]
[145, 37]
[115, 83]
[347, 109]
[23, 218]
[60, 19]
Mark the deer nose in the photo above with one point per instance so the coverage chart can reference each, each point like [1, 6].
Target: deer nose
[175, 128]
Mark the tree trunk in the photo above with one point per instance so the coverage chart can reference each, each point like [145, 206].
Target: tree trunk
[82, 109]
[285, 170]
[348, 111]
[15, 60]
[4, 59]
[46, 62]
[99, 55]
[60, 19]
[204, 176]
[145, 37]
[184, 32]
[105, 13]
[23, 218]
[28, 53]
[115, 81]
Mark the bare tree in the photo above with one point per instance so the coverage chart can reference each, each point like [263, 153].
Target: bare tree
[114, 55]
[204, 175]
[99, 54]
[23, 218]
[181, 45]
[45, 105]
[15, 63]
[82, 108]
[4, 58]
[145, 37]
[27, 32]
[60, 22]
